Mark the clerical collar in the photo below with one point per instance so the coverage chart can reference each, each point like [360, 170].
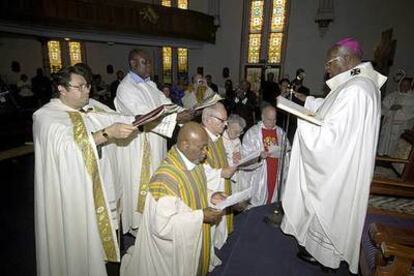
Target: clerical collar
[212, 136]
[263, 126]
[188, 164]
[362, 70]
[87, 108]
[137, 78]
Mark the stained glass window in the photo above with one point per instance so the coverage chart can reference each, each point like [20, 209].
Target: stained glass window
[182, 54]
[166, 3]
[254, 48]
[55, 57]
[256, 16]
[182, 4]
[275, 47]
[278, 15]
[166, 64]
[75, 52]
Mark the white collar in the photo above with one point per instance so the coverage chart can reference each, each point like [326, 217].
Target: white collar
[213, 137]
[188, 164]
[361, 70]
[263, 126]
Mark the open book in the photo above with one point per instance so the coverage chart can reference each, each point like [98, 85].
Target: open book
[208, 102]
[249, 159]
[297, 110]
[156, 113]
[234, 199]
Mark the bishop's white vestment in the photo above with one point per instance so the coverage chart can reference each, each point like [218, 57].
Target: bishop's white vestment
[327, 187]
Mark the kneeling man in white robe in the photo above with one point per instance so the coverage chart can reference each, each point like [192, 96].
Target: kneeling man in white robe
[174, 237]
[267, 138]
[326, 193]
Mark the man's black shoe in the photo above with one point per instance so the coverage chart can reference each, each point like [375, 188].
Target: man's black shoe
[305, 256]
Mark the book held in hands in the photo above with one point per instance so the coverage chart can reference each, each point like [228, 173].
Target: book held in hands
[297, 110]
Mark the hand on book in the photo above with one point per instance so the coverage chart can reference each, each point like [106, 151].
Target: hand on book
[211, 215]
[120, 130]
[228, 172]
[218, 197]
[300, 96]
[184, 116]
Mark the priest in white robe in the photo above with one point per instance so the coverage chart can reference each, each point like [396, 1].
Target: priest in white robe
[74, 224]
[265, 137]
[331, 168]
[197, 92]
[174, 237]
[138, 95]
[214, 120]
[398, 111]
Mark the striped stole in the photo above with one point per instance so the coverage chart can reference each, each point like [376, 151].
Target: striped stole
[173, 179]
[217, 159]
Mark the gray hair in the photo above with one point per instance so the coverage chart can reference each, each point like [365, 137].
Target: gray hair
[211, 111]
[234, 118]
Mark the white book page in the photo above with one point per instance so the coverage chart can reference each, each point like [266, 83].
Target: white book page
[249, 159]
[297, 110]
[234, 199]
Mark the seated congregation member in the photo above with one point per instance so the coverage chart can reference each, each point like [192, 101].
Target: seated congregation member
[174, 237]
[398, 111]
[138, 95]
[197, 92]
[214, 120]
[232, 144]
[267, 138]
[74, 190]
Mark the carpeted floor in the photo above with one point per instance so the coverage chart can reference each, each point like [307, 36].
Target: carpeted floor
[256, 248]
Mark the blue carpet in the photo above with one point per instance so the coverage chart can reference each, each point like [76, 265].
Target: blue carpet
[255, 248]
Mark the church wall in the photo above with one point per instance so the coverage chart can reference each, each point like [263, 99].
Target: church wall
[226, 51]
[26, 51]
[99, 55]
[364, 20]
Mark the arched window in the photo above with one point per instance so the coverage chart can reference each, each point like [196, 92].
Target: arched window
[75, 52]
[179, 63]
[54, 55]
[62, 52]
[265, 30]
[167, 65]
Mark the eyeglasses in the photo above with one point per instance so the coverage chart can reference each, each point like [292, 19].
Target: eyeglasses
[221, 120]
[328, 63]
[81, 87]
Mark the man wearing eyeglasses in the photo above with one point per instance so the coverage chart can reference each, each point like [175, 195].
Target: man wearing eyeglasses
[327, 187]
[138, 95]
[76, 195]
[214, 120]
[267, 138]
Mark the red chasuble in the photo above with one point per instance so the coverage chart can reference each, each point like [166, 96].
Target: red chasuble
[269, 140]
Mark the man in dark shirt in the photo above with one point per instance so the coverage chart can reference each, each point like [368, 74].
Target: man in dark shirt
[244, 103]
[270, 89]
[41, 87]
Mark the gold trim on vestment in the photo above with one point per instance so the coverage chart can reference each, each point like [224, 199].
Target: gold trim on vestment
[103, 218]
[145, 175]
